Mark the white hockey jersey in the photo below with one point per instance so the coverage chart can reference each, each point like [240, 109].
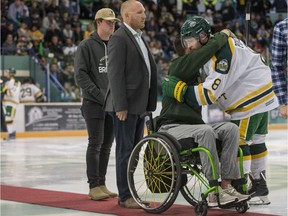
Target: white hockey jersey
[12, 89]
[29, 93]
[238, 79]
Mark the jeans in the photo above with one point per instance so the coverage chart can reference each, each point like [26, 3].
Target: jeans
[100, 139]
[127, 134]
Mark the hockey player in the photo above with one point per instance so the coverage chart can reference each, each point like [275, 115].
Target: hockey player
[11, 97]
[29, 92]
[240, 81]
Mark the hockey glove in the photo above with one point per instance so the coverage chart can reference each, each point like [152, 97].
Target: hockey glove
[174, 87]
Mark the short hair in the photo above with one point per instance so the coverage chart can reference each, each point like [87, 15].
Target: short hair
[180, 50]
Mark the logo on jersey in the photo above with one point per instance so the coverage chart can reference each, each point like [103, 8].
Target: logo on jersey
[102, 64]
[222, 65]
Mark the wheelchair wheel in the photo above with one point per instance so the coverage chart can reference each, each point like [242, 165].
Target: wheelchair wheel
[242, 207]
[154, 173]
[195, 186]
[201, 209]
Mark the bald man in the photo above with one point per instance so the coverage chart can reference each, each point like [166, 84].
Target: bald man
[132, 90]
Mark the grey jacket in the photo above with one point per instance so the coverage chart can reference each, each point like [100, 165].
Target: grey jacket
[91, 68]
[128, 75]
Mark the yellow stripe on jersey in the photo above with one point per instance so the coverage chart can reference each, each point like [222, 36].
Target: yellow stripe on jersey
[211, 96]
[231, 45]
[261, 155]
[178, 90]
[243, 126]
[201, 94]
[251, 106]
[245, 158]
[214, 59]
[249, 96]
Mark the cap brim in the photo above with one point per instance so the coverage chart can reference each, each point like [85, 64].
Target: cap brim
[111, 18]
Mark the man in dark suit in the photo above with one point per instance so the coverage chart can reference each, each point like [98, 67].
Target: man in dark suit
[132, 89]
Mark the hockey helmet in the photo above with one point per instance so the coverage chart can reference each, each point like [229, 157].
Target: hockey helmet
[11, 70]
[193, 27]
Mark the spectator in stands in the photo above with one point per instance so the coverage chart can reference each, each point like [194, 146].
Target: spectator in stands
[228, 12]
[64, 19]
[75, 21]
[64, 7]
[68, 74]
[29, 92]
[209, 17]
[191, 6]
[280, 6]
[167, 16]
[69, 50]
[47, 21]
[279, 19]
[260, 6]
[56, 73]
[56, 48]
[35, 34]
[279, 65]
[52, 31]
[52, 7]
[8, 29]
[210, 4]
[86, 7]
[23, 31]
[67, 31]
[238, 30]
[36, 9]
[35, 19]
[88, 31]
[268, 23]
[78, 35]
[18, 12]
[23, 46]
[68, 95]
[9, 46]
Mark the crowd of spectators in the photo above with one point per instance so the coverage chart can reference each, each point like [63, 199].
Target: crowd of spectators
[52, 29]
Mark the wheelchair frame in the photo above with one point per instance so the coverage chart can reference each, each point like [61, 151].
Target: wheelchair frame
[158, 169]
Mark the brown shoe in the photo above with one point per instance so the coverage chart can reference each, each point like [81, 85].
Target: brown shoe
[129, 203]
[97, 194]
[105, 190]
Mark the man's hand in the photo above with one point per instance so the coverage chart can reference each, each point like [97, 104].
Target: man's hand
[284, 111]
[122, 115]
[174, 87]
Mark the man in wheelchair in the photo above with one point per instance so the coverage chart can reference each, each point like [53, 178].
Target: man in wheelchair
[184, 122]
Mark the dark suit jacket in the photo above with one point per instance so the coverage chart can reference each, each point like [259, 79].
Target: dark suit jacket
[128, 75]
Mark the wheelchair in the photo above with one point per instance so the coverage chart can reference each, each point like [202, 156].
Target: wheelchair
[160, 166]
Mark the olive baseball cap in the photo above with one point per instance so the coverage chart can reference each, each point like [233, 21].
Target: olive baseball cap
[106, 14]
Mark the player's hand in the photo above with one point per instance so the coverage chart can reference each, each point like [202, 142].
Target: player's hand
[228, 33]
[174, 87]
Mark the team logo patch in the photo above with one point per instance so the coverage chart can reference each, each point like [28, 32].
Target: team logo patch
[192, 24]
[222, 65]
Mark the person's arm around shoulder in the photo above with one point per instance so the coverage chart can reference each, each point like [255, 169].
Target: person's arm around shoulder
[216, 42]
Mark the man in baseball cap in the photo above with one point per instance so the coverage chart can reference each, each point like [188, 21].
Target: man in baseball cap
[90, 63]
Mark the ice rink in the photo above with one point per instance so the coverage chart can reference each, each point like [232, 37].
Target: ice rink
[59, 164]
